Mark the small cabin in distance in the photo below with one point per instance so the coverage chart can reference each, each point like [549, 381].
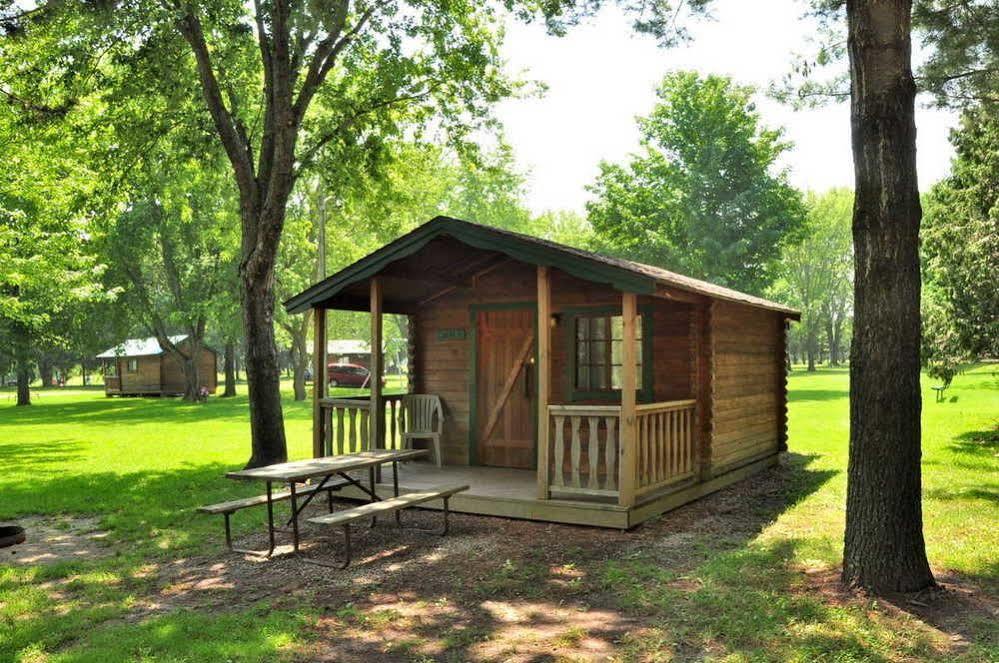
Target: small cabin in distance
[574, 387]
[141, 367]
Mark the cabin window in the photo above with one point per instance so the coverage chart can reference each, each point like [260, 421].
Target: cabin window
[598, 352]
[132, 366]
[595, 337]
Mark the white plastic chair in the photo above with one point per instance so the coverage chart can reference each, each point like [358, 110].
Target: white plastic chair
[424, 420]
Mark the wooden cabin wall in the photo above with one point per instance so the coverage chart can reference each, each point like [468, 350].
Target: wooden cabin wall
[443, 365]
[146, 380]
[173, 372]
[673, 361]
[746, 421]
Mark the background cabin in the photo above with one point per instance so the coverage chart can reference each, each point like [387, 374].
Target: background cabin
[140, 367]
[574, 387]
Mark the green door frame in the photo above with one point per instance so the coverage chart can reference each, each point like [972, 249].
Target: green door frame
[473, 389]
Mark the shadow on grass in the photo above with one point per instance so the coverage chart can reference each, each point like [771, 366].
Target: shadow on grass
[27, 454]
[978, 442]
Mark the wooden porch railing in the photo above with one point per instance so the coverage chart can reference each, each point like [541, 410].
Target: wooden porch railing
[112, 383]
[665, 441]
[346, 422]
[585, 447]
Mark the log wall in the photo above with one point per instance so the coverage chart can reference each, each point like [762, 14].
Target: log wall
[747, 386]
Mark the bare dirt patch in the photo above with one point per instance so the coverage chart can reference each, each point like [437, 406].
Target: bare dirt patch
[57, 539]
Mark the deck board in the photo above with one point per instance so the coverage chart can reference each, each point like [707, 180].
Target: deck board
[512, 493]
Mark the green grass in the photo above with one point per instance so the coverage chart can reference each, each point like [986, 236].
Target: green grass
[141, 465]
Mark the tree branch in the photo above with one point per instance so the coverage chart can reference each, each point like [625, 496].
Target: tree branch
[239, 152]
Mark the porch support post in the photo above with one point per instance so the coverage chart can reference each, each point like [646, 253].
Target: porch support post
[544, 377]
[318, 381]
[377, 414]
[629, 384]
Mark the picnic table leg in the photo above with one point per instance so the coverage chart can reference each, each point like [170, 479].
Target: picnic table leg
[371, 482]
[294, 516]
[270, 518]
[395, 490]
[228, 532]
[329, 500]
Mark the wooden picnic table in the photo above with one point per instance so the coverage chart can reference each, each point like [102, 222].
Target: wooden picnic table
[324, 469]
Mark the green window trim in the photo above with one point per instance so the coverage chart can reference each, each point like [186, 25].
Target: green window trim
[568, 323]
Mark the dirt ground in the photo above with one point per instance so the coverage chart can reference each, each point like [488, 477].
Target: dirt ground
[498, 589]
[58, 539]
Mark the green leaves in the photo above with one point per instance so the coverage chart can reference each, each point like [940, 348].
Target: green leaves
[704, 196]
[960, 249]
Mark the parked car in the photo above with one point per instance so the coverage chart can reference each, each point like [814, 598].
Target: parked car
[349, 375]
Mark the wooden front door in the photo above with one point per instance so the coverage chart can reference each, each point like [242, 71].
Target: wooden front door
[504, 417]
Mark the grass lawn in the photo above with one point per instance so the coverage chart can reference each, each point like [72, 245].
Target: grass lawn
[746, 574]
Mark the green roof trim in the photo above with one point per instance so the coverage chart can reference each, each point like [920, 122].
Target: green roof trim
[623, 275]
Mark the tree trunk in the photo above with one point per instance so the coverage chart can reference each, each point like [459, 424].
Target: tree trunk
[45, 372]
[230, 373]
[833, 359]
[263, 374]
[23, 382]
[299, 379]
[811, 343]
[884, 548]
[192, 373]
[838, 338]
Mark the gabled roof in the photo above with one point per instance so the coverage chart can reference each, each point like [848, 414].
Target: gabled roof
[625, 275]
[139, 347]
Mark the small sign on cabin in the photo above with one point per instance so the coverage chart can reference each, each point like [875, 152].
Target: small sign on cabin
[451, 334]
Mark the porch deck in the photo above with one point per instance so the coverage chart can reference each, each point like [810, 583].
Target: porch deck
[498, 491]
[510, 493]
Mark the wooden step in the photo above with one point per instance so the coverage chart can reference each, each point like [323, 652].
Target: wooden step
[386, 506]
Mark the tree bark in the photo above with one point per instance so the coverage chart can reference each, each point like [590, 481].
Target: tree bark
[192, 373]
[883, 547]
[263, 373]
[23, 382]
[230, 373]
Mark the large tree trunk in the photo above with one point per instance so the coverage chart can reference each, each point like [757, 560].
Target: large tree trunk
[229, 368]
[263, 373]
[884, 548]
[299, 331]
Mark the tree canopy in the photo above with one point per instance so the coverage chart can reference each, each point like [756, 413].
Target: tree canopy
[960, 250]
[705, 195]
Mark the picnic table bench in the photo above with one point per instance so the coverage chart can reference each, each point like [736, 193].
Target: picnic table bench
[392, 505]
[226, 509]
[332, 473]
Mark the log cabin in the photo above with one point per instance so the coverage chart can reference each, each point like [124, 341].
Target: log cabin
[573, 387]
[141, 367]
